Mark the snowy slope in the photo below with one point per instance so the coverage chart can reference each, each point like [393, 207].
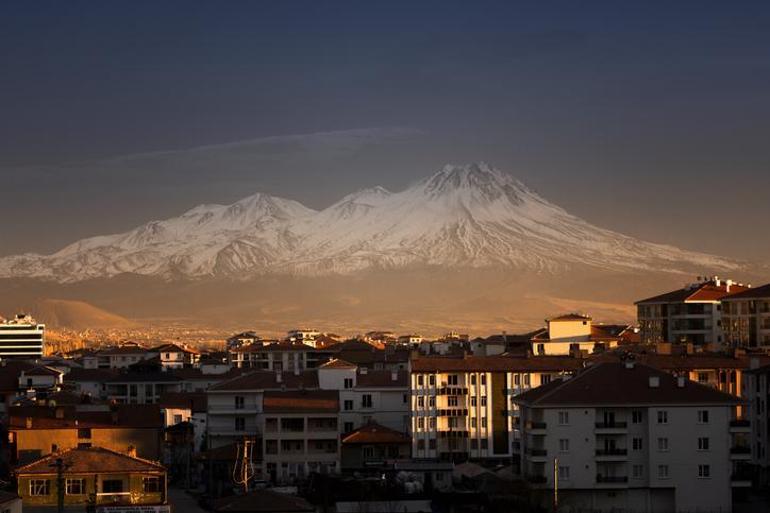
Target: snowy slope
[462, 216]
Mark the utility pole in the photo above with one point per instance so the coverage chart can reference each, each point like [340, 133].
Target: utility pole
[59, 466]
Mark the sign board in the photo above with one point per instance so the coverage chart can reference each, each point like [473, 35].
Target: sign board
[134, 508]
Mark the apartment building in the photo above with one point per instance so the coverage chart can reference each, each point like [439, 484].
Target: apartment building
[462, 408]
[571, 333]
[275, 356]
[746, 318]
[656, 443]
[756, 387]
[300, 433]
[118, 357]
[691, 314]
[380, 396]
[22, 337]
[174, 356]
[141, 387]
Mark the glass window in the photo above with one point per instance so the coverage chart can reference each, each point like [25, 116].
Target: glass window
[39, 487]
[563, 418]
[662, 417]
[151, 484]
[75, 486]
[704, 471]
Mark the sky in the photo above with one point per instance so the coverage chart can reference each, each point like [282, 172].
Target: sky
[648, 118]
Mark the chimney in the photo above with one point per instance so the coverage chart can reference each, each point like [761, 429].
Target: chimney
[394, 375]
[28, 422]
[754, 362]
[59, 413]
[718, 282]
[363, 370]
[728, 284]
[278, 376]
[131, 451]
[654, 381]
[680, 381]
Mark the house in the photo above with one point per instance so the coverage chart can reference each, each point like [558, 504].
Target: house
[174, 356]
[371, 446]
[192, 408]
[690, 314]
[656, 443]
[118, 357]
[92, 475]
[572, 333]
[141, 387]
[90, 381]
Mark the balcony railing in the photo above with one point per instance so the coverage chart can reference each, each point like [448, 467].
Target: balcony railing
[611, 452]
[536, 425]
[537, 452]
[740, 423]
[740, 449]
[611, 425]
[611, 479]
[452, 391]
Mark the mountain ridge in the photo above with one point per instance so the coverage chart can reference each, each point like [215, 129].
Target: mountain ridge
[461, 216]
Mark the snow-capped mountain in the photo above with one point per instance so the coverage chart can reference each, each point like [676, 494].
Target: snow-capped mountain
[461, 216]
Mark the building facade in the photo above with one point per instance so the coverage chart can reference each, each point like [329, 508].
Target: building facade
[746, 318]
[22, 337]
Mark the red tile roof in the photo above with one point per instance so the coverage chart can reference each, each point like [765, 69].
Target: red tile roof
[704, 291]
[337, 363]
[90, 460]
[496, 364]
[374, 433]
[762, 292]
[267, 380]
[196, 401]
[301, 401]
[599, 385]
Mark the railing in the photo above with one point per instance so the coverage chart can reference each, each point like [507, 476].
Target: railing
[537, 452]
[611, 425]
[740, 449]
[742, 475]
[611, 452]
[611, 479]
[740, 423]
[536, 425]
[452, 391]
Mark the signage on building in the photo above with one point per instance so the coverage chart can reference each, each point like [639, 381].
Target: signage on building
[134, 508]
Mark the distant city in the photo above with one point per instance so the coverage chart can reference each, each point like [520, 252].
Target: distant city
[667, 414]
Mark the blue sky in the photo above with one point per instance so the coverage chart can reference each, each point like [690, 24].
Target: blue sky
[648, 118]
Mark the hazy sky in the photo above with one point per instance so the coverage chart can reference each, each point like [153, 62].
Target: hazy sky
[651, 119]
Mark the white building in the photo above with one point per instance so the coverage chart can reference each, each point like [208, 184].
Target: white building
[746, 318]
[625, 436]
[572, 333]
[22, 337]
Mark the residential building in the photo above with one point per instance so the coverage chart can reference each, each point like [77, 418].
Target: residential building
[34, 431]
[691, 314]
[746, 318]
[174, 356]
[656, 443]
[570, 334]
[756, 386]
[92, 476]
[462, 408]
[242, 339]
[22, 337]
[118, 357]
[372, 446]
[273, 356]
[141, 387]
[300, 430]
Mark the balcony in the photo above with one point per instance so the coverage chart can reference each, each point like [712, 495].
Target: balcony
[611, 427]
[611, 454]
[452, 391]
[537, 453]
[740, 426]
[532, 426]
[600, 479]
[537, 479]
[742, 478]
[452, 413]
[740, 452]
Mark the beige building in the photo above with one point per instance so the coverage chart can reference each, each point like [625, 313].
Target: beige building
[574, 334]
[746, 318]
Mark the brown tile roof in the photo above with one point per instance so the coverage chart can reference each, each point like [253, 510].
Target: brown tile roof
[266, 380]
[86, 375]
[90, 460]
[42, 370]
[382, 379]
[569, 317]
[337, 363]
[126, 416]
[173, 348]
[262, 501]
[373, 433]
[681, 362]
[196, 401]
[122, 350]
[496, 364]
[705, 291]
[301, 401]
[599, 385]
[752, 293]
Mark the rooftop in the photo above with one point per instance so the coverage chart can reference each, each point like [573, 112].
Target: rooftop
[301, 401]
[90, 460]
[496, 364]
[373, 433]
[705, 291]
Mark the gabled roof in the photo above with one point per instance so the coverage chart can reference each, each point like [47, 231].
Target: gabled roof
[496, 364]
[268, 380]
[122, 350]
[145, 416]
[618, 384]
[373, 433]
[762, 292]
[301, 401]
[10, 370]
[42, 370]
[706, 291]
[337, 363]
[90, 460]
[173, 348]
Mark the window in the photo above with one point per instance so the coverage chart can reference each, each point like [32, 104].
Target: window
[405, 398]
[452, 379]
[240, 424]
[347, 405]
[420, 402]
[564, 445]
[662, 417]
[564, 473]
[239, 402]
[151, 484]
[473, 379]
[563, 418]
[636, 444]
[483, 422]
[75, 486]
[483, 379]
[177, 418]
[420, 445]
[636, 416]
[637, 471]
[84, 433]
[545, 379]
[483, 400]
[703, 416]
[420, 423]
[704, 471]
[348, 383]
[432, 380]
[526, 380]
[516, 379]
[452, 421]
[432, 443]
[662, 471]
[662, 444]
[432, 422]
[703, 444]
[366, 401]
[348, 426]
[473, 422]
[420, 380]
[39, 487]
[452, 401]
[112, 486]
[474, 444]
[431, 402]
[703, 377]
[473, 401]
[484, 443]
